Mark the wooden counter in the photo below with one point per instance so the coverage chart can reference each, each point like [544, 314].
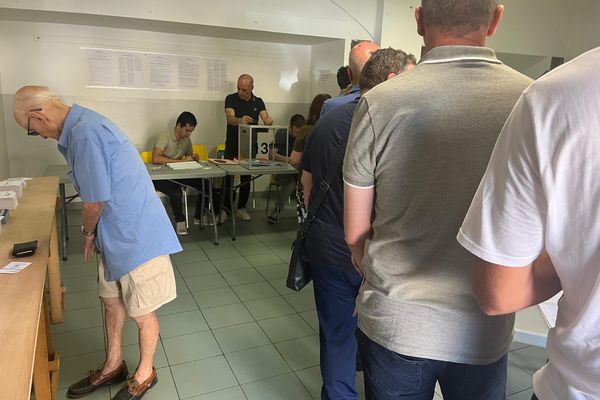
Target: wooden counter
[25, 339]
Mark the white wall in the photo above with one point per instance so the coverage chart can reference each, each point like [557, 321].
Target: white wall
[354, 19]
[325, 61]
[285, 44]
[4, 164]
[532, 27]
[399, 29]
[585, 34]
[532, 66]
[54, 55]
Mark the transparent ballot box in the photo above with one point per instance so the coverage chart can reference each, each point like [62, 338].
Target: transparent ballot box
[254, 142]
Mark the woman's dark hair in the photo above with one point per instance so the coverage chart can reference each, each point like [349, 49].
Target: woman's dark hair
[343, 77]
[314, 112]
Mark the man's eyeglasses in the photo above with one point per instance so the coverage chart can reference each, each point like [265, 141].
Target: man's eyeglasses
[32, 132]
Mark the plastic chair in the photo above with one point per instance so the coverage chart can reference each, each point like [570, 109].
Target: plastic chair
[146, 156]
[201, 151]
[147, 159]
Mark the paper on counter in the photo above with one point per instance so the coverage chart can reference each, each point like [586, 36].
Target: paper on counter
[14, 267]
[12, 186]
[8, 200]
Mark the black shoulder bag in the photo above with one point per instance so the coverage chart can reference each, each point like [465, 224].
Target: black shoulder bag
[299, 274]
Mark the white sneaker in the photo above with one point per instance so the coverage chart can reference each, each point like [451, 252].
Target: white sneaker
[181, 229]
[207, 220]
[242, 214]
[197, 221]
[222, 216]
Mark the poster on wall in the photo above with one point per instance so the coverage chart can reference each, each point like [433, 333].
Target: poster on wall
[188, 72]
[216, 75]
[100, 67]
[160, 68]
[131, 69]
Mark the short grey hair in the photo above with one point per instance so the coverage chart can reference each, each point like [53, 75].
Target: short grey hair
[381, 64]
[458, 17]
[32, 97]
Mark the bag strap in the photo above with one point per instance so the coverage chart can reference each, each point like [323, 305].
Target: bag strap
[317, 198]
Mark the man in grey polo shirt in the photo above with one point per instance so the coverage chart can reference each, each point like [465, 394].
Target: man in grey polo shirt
[418, 148]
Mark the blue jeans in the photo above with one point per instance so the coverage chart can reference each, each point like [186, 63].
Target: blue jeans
[389, 375]
[335, 297]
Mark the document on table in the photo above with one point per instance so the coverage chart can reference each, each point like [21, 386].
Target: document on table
[14, 267]
[184, 165]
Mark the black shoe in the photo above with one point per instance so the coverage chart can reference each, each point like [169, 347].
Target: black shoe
[274, 217]
[95, 380]
[132, 390]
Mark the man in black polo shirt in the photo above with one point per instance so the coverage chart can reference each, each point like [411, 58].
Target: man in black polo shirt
[242, 108]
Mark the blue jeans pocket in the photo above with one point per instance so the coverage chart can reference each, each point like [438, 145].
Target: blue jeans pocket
[396, 374]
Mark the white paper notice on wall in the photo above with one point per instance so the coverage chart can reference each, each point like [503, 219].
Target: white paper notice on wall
[324, 77]
[161, 71]
[216, 75]
[189, 72]
[100, 67]
[131, 69]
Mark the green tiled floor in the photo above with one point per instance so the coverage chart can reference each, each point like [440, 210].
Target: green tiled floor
[235, 332]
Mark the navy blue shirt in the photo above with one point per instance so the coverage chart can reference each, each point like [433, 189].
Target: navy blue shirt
[325, 244]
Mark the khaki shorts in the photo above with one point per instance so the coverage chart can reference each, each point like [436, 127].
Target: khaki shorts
[144, 289]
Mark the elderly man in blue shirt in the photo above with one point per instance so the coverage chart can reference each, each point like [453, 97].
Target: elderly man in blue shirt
[135, 271]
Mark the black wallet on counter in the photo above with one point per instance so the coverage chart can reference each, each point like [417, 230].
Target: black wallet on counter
[24, 249]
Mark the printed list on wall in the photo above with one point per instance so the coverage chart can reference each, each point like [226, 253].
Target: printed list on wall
[148, 70]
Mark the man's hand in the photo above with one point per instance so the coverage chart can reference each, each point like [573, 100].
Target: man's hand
[89, 247]
[189, 158]
[246, 120]
[358, 267]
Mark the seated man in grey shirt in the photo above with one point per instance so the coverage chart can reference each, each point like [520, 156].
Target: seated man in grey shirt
[177, 147]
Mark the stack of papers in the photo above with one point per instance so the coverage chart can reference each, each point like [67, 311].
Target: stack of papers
[22, 181]
[184, 165]
[12, 186]
[8, 200]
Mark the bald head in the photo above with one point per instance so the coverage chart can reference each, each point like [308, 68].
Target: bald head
[359, 55]
[245, 85]
[39, 107]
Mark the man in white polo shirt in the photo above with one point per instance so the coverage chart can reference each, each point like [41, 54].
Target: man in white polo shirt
[535, 223]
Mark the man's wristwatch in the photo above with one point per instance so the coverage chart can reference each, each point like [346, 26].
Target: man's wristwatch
[85, 233]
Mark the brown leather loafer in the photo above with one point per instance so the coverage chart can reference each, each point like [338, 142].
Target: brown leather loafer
[95, 379]
[132, 390]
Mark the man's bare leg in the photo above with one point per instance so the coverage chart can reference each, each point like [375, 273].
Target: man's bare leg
[148, 335]
[114, 320]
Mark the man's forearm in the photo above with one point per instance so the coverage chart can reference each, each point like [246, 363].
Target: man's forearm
[91, 213]
[502, 290]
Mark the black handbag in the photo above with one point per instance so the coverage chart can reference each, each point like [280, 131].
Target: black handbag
[299, 272]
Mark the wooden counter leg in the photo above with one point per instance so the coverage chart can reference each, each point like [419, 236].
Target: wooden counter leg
[53, 356]
[54, 283]
[41, 374]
